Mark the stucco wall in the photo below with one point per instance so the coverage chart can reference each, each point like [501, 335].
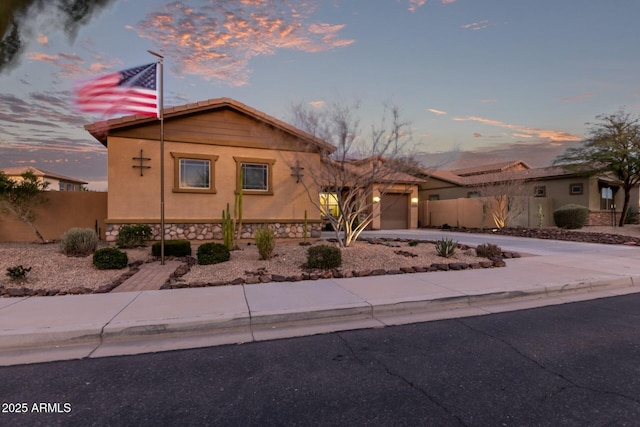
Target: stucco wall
[62, 211]
[135, 198]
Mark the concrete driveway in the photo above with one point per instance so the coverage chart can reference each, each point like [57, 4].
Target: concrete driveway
[522, 245]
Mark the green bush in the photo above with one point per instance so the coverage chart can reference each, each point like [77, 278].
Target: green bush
[324, 257]
[110, 259]
[212, 253]
[446, 247]
[413, 242]
[571, 216]
[18, 273]
[79, 242]
[632, 216]
[177, 248]
[132, 236]
[488, 250]
[265, 241]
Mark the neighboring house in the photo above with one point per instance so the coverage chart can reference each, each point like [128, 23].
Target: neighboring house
[209, 145]
[56, 181]
[552, 187]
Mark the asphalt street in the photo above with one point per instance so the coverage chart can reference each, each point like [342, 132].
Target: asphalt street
[570, 365]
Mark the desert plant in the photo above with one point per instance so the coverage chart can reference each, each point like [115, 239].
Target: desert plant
[18, 273]
[79, 242]
[265, 241]
[228, 228]
[132, 236]
[571, 216]
[488, 250]
[413, 242]
[212, 253]
[632, 215]
[324, 257]
[110, 259]
[446, 247]
[540, 215]
[177, 248]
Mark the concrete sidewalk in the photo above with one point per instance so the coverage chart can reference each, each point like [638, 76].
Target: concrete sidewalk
[77, 326]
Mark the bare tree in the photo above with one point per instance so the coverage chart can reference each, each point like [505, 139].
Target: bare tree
[504, 198]
[358, 174]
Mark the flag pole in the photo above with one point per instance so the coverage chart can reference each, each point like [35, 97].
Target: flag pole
[161, 117]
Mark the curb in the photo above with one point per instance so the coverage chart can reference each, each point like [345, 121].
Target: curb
[98, 340]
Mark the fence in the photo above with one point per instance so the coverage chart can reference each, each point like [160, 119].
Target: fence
[477, 213]
[62, 211]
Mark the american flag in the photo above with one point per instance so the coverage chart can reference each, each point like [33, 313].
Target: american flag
[129, 91]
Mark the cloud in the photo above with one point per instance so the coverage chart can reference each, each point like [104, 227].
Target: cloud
[219, 39]
[317, 104]
[447, 1]
[437, 112]
[524, 131]
[577, 98]
[477, 135]
[415, 4]
[488, 100]
[476, 25]
[42, 39]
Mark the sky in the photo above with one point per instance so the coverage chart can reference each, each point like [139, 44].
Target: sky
[489, 80]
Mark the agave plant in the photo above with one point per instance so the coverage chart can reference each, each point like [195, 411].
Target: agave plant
[446, 247]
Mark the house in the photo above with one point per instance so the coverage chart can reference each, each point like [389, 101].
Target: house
[56, 181]
[213, 151]
[388, 197]
[546, 188]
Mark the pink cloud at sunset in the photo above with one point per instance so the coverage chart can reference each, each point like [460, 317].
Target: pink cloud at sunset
[437, 112]
[524, 131]
[218, 40]
[476, 25]
[577, 98]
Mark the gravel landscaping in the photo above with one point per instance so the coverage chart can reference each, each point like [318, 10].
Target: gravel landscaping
[53, 273]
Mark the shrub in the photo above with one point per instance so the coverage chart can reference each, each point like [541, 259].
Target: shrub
[632, 216]
[212, 253]
[79, 242]
[110, 259]
[413, 242]
[132, 236]
[18, 272]
[324, 257]
[176, 248]
[571, 216]
[265, 241]
[488, 250]
[446, 247]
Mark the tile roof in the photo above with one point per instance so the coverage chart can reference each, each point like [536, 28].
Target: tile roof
[490, 168]
[41, 173]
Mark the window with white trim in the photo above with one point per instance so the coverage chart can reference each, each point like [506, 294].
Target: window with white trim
[193, 173]
[255, 176]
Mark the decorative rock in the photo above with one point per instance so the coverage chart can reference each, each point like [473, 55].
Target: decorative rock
[499, 263]
[238, 281]
[441, 267]
[278, 278]
[394, 272]
[407, 269]
[486, 264]
[458, 266]
[252, 280]
[379, 272]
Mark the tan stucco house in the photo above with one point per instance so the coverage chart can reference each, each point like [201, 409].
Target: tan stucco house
[57, 182]
[208, 146]
[550, 187]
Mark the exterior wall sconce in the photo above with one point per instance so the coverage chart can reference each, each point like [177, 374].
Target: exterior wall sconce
[414, 201]
[376, 199]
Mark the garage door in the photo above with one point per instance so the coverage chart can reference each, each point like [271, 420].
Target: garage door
[395, 211]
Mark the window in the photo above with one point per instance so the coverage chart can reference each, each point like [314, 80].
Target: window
[193, 173]
[61, 186]
[575, 189]
[434, 197]
[257, 175]
[329, 204]
[540, 191]
[473, 194]
[69, 187]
